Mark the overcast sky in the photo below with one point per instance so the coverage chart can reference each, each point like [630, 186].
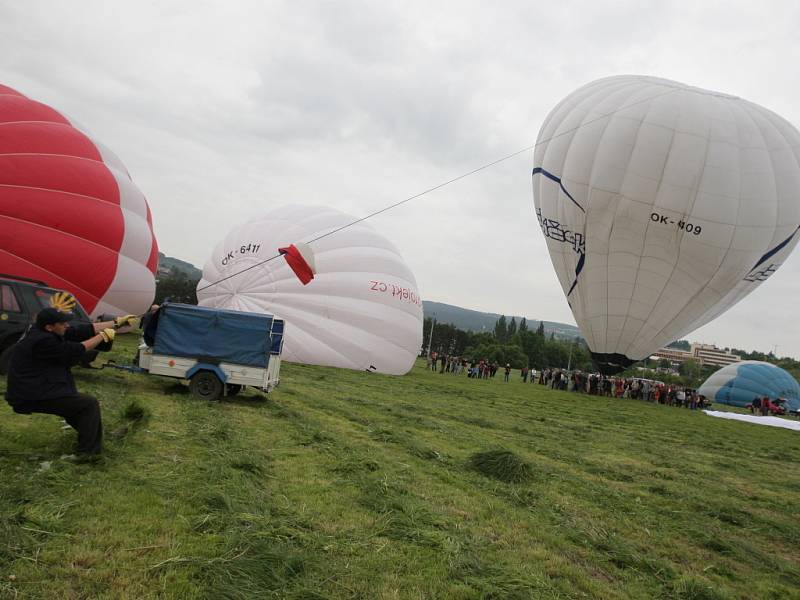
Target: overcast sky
[222, 111]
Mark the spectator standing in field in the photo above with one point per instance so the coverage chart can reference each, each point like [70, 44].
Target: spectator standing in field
[507, 373]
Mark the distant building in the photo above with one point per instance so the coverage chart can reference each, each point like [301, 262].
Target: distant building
[672, 355]
[708, 354]
[705, 354]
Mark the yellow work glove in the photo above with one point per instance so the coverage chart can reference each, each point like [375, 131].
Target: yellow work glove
[108, 335]
[126, 320]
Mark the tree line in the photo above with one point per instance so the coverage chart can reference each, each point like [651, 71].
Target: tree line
[519, 346]
[509, 343]
[177, 287]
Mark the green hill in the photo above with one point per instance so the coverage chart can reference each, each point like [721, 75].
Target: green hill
[344, 484]
[474, 320]
[176, 265]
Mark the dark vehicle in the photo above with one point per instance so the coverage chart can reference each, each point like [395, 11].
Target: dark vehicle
[20, 301]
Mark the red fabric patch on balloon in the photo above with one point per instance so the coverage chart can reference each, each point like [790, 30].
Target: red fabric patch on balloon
[297, 263]
[46, 138]
[19, 108]
[61, 173]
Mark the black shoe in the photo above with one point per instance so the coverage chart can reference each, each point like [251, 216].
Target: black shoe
[85, 458]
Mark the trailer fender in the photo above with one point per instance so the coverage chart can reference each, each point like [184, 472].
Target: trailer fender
[207, 367]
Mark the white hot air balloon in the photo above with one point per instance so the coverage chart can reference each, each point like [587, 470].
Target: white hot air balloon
[361, 311]
[662, 206]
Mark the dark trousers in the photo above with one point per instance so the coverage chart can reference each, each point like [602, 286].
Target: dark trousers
[82, 412]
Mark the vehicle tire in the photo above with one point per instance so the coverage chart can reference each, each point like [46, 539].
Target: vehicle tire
[233, 388]
[206, 386]
[5, 359]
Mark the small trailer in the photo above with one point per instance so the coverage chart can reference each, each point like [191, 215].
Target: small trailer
[218, 351]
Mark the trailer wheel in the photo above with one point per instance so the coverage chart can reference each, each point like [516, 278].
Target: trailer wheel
[206, 386]
[233, 389]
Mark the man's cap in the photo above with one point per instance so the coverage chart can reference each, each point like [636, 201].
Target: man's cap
[51, 316]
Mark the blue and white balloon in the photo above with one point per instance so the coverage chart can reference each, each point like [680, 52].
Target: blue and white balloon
[738, 384]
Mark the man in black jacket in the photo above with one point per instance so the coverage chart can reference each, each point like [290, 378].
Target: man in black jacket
[39, 376]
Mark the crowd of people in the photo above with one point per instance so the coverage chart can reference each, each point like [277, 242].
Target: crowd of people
[594, 384]
[456, 365]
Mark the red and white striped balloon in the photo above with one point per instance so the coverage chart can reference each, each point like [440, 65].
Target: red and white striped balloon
[69, 213]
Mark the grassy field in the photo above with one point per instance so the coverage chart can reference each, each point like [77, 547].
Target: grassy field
[353, 485]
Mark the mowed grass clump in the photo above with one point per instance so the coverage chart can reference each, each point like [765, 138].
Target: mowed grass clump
[501, 464]
[342, 484]
[135, 412]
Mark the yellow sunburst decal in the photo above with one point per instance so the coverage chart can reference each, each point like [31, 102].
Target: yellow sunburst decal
[63, 301]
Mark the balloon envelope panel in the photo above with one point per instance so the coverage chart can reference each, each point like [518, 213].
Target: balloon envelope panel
[662, 206]
[740, 383]
[362, 310]
[69, 213]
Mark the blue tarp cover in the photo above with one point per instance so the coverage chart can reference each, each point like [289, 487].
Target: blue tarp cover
[214, 335]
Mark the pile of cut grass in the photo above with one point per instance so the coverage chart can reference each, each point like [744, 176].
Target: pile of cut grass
[501, 464]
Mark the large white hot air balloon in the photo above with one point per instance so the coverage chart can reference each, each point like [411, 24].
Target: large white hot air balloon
[662, 205]
[361, 311]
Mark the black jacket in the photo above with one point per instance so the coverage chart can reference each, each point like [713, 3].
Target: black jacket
[40, 365]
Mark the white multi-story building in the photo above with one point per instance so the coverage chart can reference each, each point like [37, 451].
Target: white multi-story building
[672, 354]
[705, 354]
[708, 354]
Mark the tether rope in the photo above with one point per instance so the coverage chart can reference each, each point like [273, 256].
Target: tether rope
[672, 89]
